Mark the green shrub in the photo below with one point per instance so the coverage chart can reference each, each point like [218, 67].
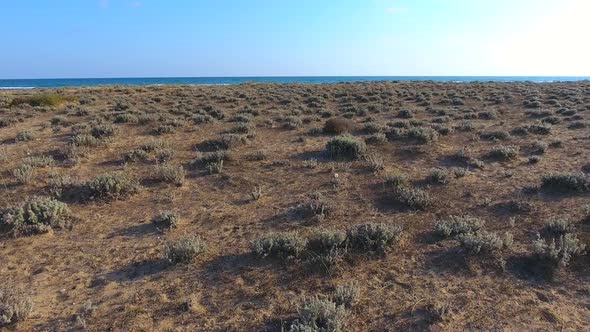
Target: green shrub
[174, 174]
[321, 315]
[346, 295]
[559, 226]
[411, 198]
[373, 238]
[111, 186]
[558, 254]
[23, 174]
[15, 305]
[25, 135]
[184, 250]
[483, 242]
[503, 152]
[166, 220]
[279, 245]
[346, 147]
[36, 215]
[496, 135]
[566, 182]
[438, 176]
[458, 225]
[51, 99]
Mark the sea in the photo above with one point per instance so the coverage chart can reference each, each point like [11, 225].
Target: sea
[73, 82]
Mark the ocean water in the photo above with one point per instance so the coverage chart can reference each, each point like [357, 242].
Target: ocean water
[63, 82]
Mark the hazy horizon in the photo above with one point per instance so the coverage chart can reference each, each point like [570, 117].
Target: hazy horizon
[261, 38]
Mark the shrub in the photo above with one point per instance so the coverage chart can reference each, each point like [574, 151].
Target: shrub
[23, 174]
[84, 140]
[405, 114]
[135, 155]
[174, 174]
[347, 294]
[395, 179]
[164, 129]
[292, 122]
[503, 152]
[15, 305]
[496, 135]
[184, 250]
[559, 226]
[316, 206]
[376, 139]
[325, 241]
[102, 131]
[279, 245]
[111, 186]
[339, 126]
[25, 135]
[558, 254]
[484, 242]
[371, 238]
[540, 147]
[346, 147]
[166, 220]
[375, 163]
[51, 99]
[566, 182]
[320, 315]
[458, 225]
[438, 176]
[39, 161]
[411, 198]
[36, 215]
[224, 142]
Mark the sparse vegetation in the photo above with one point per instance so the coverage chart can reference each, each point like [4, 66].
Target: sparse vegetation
[184, 250]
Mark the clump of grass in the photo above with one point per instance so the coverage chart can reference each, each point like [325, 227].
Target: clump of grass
[373, 238]
[15, 305]
[23, 174]
[325, 249]
[540, 147]
[184, 250]
[34, 216]
[395, 179]
[318, 314]
[376, 139]
[102, 131]
[317, 207]
[39, 161]
[346, 147]
[166, 220]
[339, 126]
[174, 174]
[566, 182]
[86, 140]
[109, 186]
[503, 152]
[135, 155]
[405, 114]
[224, 142]
[455, 226]
[50, 99]
[410, 197]
[279, 245]
[375, 163]
[422, 135]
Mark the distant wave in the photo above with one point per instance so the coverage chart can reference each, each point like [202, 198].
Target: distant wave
[16, 87]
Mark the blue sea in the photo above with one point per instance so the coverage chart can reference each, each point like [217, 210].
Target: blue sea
[65, 82]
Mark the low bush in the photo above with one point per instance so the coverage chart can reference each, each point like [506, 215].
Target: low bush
[410, 198]
[36, 215]
[483, 242]
[495, 135]
[166, 220]
[279, 245]
[558, 254]
[167, 173]
[455, 226]
[566, 182]
[23, 174]
[503, 152]
[558, 226]
[347, 294]
[15, 305]
[346, 147]
[321, 315]
[50, 99]
[373, 238]
[110, 186]
[184, 250]
[438, 176]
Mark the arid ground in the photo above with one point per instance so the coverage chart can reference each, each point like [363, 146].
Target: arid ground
[382, 206]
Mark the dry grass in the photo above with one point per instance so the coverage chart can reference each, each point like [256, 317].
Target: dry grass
[152, 174]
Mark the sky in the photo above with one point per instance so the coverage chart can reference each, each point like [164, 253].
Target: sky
[186, 38]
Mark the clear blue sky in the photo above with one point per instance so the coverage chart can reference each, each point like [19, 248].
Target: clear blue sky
[139, 38]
